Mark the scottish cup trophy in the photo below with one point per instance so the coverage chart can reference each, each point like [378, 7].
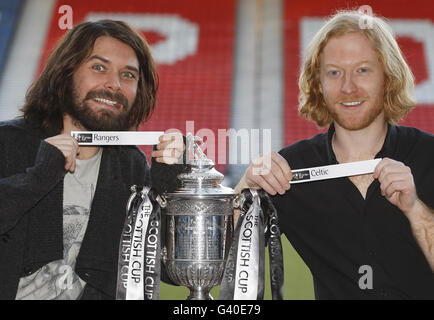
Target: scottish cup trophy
[199, 226]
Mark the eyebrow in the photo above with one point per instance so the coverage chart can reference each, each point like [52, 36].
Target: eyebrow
[359, 63]
[108, 61]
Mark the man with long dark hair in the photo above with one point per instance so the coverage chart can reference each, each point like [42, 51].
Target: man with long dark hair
[62, 206]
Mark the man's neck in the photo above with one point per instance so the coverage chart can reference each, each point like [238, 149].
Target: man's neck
[357, 145]
[86, 152]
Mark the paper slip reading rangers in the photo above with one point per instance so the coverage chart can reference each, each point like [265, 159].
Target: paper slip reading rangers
[334, 171]
[116, 138]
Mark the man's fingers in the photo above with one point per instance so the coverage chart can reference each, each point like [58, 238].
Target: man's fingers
[170, 148]
[386, 166]
[69, 148]
[391, 172]
[268, 180]
[393, 176]
[170, 136]
[173, 140]
[380, 166]
[274, 169]
[167, 160]
[173, 144]
[386, 179]
[282, 175]
[395, 186]
[76, 146]
[274, 183]
[261, 183]
[167, 153]
[393, 182]
[70, 164]
[168, 156]
[396, 183]
[70, 156]
[283, 164]
[274, 176]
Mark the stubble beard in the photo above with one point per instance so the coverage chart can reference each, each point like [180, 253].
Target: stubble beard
[362, 122]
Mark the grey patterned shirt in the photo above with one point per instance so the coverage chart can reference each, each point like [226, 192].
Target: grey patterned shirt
[57, 279]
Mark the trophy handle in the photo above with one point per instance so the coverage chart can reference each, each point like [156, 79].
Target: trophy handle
[237, 202]
[133, 190]
[164, 254]
[162, 201]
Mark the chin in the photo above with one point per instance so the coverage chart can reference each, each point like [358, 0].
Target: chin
[361, 122]
[356, 124]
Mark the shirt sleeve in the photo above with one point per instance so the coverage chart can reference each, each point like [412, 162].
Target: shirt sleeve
[164, 176]
[423, 169]
[425, 187]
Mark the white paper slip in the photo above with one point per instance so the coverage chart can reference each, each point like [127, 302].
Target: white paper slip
[116, 138]
[334, 171]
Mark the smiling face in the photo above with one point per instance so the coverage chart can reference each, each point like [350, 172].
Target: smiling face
[105, 86]
[352, 81]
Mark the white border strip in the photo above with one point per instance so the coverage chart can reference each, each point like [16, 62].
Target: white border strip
[116, 138]
[24, 54]
[334, 171]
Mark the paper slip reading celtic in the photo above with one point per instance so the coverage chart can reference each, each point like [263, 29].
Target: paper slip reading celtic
[334, 171]
[116, 138]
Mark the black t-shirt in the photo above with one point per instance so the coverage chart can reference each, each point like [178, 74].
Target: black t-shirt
[340, 235]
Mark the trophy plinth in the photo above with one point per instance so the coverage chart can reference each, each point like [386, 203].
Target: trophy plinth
[199, 229]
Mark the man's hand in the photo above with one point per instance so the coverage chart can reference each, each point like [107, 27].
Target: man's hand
[170, 148]
[270, 172]
[68, 146]
[397, 184]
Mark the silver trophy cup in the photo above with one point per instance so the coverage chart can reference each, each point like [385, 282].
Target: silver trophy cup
[199, 228]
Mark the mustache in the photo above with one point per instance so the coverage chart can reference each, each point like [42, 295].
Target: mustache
[104, 94]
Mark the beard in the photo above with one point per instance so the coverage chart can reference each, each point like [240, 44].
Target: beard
[99, 119]
[362, 121]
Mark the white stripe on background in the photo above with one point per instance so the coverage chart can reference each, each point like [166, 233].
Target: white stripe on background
[23, 56]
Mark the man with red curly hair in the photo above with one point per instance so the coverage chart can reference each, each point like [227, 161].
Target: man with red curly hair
[367, 236]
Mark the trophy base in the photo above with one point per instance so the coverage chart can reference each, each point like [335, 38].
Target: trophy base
[199, 294]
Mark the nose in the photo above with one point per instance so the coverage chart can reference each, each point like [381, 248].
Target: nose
[112, 82]
[348, 85]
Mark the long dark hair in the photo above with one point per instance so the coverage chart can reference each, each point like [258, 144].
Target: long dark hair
[51, 92]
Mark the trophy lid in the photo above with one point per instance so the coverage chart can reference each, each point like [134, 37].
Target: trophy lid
[203, 179]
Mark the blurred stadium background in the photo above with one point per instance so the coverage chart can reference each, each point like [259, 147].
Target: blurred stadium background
[222, 64]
